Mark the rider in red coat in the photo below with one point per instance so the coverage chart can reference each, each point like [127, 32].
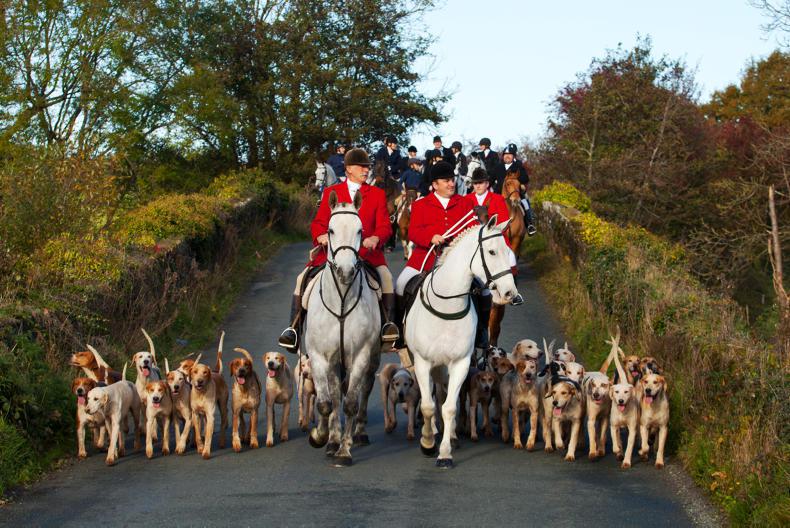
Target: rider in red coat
[483, 197]
[376, 229]
[433, 215]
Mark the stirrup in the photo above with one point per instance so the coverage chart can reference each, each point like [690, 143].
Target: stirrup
[518, 300]
[288, 339]
[389, 332]
[531, 230]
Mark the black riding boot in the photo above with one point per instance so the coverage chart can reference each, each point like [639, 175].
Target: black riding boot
[483, 315]
[289, 339]
[389, 330]
[528, 218]
[400, 308]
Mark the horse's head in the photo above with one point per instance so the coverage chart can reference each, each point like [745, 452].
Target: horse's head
[345, 237]
[492, 262]
[511, 189]
[320, 174]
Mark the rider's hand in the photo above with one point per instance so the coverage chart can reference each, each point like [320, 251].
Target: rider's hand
[371, 242]
[437, 240]
[323, 239]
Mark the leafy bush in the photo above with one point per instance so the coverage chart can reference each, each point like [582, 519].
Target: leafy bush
[563, 193]
[170, 216]
[72, 261]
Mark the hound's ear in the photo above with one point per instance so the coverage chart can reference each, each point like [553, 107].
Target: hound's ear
[357, 200]
[105, 398]
[611, 392]
[664, 383]
[333, 199]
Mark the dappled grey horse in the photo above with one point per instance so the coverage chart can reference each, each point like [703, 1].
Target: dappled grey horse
[342, 336]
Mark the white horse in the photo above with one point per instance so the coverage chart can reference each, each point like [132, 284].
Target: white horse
[440, 327]
[324, 176]
[341, 336]
[462, 182]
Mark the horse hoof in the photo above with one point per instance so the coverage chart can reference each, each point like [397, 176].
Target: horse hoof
[315, 440]
[331, 448]
[341, 461]
[428, 451]
[361, 440]
[444, 463]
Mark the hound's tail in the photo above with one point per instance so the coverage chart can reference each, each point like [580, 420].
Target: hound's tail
[123, 375]
[615, 349]
[218, 366]
[151, 347]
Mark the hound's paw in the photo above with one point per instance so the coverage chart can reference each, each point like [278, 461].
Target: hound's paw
[237, 445]
[473, 438]
[254, 443]
[180, 450]
[82, 455]
[270, 442]
[110, 461]
[659, 465]
[390, 427]
[489, 433]
[644, 455]
[619, 455]
[409, 436]
[592, 456]
[625, 465]
[601, 452]
[206, 454]
[304, 426]
[560, 446]
[165, 451]
[284, 437]
[548, 449]
[530, 445]
[570, 458]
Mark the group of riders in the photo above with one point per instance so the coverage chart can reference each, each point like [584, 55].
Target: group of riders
[439, 180]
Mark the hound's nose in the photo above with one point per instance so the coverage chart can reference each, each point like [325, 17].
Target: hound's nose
[555, 403]
[271, 365]
[648, 391]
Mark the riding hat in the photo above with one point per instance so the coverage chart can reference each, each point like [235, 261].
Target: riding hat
[457, 144]
[356, 156]
[436, 153]
[479, 175]
[485, 142]
[437, 138]
[412, 149]
[511, 149]
[390, 139]
[442, 171]
[415, 160]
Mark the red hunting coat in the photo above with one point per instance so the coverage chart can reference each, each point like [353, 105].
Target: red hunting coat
[374, 216]
[429, 218]
[495, 203]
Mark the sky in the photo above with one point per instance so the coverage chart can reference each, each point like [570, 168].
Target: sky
[504, 60]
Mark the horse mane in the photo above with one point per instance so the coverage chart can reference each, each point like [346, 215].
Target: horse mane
[456, 241]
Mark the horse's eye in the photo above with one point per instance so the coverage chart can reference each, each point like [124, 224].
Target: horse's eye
[331, 231]
[359, 232]
[490, 251]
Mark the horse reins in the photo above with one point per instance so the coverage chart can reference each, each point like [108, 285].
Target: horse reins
[489, 280]
[341, 316]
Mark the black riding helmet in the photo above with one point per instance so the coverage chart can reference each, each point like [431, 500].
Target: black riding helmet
[442, 171]
[485, 142]
[457, 145]
[511, 149]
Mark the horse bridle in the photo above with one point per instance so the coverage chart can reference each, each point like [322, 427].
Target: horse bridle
[343, 313]
[489, 284]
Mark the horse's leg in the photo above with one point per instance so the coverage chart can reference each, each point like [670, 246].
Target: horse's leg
[360, 429]
[336, 396]
[495, 322]
[457, 372]
[320, 433]
[351, 406]
[422, 371]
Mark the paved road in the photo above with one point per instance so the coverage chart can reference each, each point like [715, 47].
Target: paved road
[390, 481]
